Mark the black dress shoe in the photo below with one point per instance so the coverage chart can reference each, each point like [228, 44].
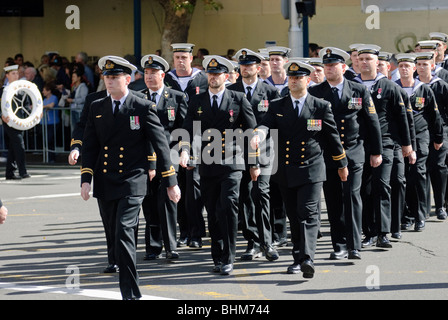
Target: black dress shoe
[112, 268]
[368, 242]
[13, 178]
[283, 242]
[419, 226]
[383, 242]
[270, 253]
[151, 256]
[171, 255]
[226, 269]
[338, 255]
[217, 267]
[441, 214]
[182, 242]
[25, 176]
[251, 254]
[406, 225]
[293, 269]
[396, 235]
[354, 254]
[196, 243]
[307, 268]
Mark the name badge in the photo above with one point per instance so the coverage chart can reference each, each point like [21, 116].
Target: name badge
[171, 114]
[314, 125]
[355, 103]
[134, 122]
[263, 106]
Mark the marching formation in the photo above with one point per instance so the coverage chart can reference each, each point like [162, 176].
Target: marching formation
[257, 152]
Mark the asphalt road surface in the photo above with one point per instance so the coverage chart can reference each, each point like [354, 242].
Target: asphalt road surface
[52, 247]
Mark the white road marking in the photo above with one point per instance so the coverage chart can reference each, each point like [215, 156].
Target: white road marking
[91, 293]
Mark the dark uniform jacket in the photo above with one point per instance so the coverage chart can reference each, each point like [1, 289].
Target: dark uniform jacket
[260, 100]
[427, 118]
[78, 131]
[198, 83]
[391, 111]
[300, 138]
[355, 117]
[171, 110]
[115, 149]
[222, 133]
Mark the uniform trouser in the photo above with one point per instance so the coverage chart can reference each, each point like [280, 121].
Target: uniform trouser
[261, 196]
[247, 210]
[376, 195]
[161, 219]
[416, 197]
[194, 205]
[302, 205]
[126, 212]
[221, 198]
[16, 151]
[398, 185]
[108, 219]
[437, 174]
[278, 212]
[182, 218]
[344, 207]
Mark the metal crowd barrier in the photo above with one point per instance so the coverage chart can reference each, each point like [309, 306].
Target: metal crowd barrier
[37, 139]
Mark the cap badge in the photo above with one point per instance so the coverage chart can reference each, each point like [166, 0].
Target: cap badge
[294, 67]
[150, 60]
[109, 65]
[328, 52]
[213, 63]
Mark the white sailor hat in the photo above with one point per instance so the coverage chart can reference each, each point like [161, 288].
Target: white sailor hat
[11, 68]
[316, 62]
[217, 64]
[405, 57]
[153, 61]
[369, 48]
[333, 55]
[429, 44]
[439, 36]
[112, 65]
[296, 67]
[279, 51]
[264, 53]
[182, 47]
[424, 55]
[246, 56]
[354, 46]
[384, 56]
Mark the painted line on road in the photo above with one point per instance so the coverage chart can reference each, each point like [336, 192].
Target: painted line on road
[91, 293]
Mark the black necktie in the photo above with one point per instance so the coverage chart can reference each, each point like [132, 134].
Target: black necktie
[249, 95]
[154, 95]
[296, 102]
[335, 90]
[215, 104]
[117, 107]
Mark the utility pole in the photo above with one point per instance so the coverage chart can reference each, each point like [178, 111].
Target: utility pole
[295, 32]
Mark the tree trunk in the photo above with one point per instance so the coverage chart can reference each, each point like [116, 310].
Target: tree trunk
[176, 25]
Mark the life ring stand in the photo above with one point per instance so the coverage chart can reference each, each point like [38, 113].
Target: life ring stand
[34, 116]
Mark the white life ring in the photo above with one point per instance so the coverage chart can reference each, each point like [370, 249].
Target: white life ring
[34, 116]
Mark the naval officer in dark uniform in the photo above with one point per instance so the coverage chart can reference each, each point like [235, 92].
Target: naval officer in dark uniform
[393, 118]
[116, 143]
[427, 121]
[303, 123]
[222, 115]
[191, 81]
[159, 211]
[356, 119]
[255, 195]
